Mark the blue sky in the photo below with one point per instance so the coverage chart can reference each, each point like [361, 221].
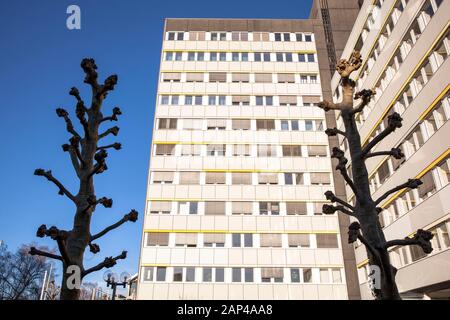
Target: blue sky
[40, 62]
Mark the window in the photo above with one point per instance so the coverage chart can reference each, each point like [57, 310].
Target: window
[428, 187]
[298, 240]
[186, 240]
[318, 178]
[165, 149]
[165, 123]
[337, 276]
[215, 178]
[217, 77]
[248, 240]
[241, 178]
[267, 150]
[241, 150]
[177, 274]
[216, 124]
[189, 177]
[248, 274]
[295, 275]
[197, 35]
[318, 208]
[187, 207]
[292, 151]
[169, 56]
[242, 207]
[163, 177]
[190, 149]
[147, 273]
[207, 274]
[215, 150]
[269, 208]
[214, 240]
[270, 240]
[307, 275]
[260, 36]
[239, 36]
[214, 208]
[288, 100]
[267, 178]
[296, 208]
[194, 77]
[157, 207]
[301, 57]
[263, 77]
[192, 124]
[272, 274]
[217, 100]
[327, 241]
[164, 100]
[286, 78]
[160, 273]
[171, 77]
[308, 38]
[240, 100]
[219, 274]
[236, 274]
[240, 77]
[298, 37]
[157, 239]
[240, 124]
[317, 151]
[324, 275]
[264, 100]
[293, 178]
[236, 240]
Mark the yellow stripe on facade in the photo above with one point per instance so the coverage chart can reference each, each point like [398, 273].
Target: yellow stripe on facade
[400, 91]
[241, 231]
[362, 264]
[420, 175]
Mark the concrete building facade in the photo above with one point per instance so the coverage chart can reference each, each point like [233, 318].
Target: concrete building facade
[404, 46]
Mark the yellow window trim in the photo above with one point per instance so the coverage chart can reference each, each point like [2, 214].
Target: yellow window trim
[362, 264]
[241, 231]
[420, 175]
[394, 100]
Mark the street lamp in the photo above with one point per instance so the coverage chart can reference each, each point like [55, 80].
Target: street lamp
[112, 280]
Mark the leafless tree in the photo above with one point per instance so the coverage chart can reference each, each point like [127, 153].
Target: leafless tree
[21, 274]
[366, 210]
[88, 159]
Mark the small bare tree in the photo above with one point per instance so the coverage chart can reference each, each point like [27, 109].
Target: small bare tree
[365, 209]
[88, 159]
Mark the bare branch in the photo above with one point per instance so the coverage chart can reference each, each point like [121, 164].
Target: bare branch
[35, 252]
[394, 122]
[421, 238]
[89, 67]
[108, 85]
[49, 176]
[73, 156]
[100, 166]
[331, 132]
[107, 263]
[69, 125]
[59, 236]
[346, 67]
[366, 96]
[332, 197]
[328, 105]
[411, 184]
[329, 209]
[94, 248]
[339, 154]
[114, 131]
[74, 92]
[131, 216]
[116, 146]
[394, 152]
[116, 112]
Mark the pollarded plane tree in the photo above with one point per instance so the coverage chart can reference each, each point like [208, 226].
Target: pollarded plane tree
[88, 159]
[365, 209]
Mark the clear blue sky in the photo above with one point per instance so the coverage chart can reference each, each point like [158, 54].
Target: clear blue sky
[40, 62]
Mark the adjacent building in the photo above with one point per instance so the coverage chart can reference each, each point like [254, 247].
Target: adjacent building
[240, 163]
[405, 45]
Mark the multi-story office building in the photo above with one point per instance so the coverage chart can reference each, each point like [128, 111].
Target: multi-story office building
[405, 45]
[239, 166]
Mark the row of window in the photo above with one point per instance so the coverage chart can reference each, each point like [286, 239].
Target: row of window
[239, 56]
[238, 36]
[264, 208]
[239, 100]
[239, 275]
[242, 240]
[238, 150]
[239, 124]
[421, 133]
[434, 180]
[424, 73]
[403, 256]
[240, 178]
[239, 77]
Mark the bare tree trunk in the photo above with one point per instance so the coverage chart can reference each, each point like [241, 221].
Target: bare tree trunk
[88, 159]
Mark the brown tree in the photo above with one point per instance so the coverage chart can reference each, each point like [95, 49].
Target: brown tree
[365, 209]
[88, 159]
